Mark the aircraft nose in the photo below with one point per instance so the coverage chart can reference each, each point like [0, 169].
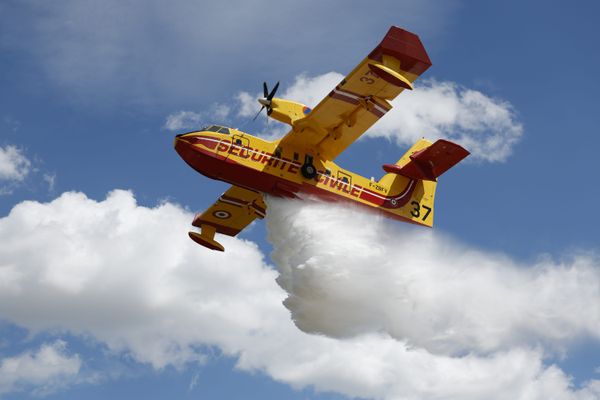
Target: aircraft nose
[179, 141]
[183, 148]
[176, 140]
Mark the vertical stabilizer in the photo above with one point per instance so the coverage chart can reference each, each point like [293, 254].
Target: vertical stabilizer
[422, 164]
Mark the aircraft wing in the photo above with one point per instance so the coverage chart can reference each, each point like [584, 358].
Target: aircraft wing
[229, 215]
[363, 96]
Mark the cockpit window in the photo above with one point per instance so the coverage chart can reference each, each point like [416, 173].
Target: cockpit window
[216, 128]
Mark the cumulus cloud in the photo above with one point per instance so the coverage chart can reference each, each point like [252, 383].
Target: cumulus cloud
[124, 273]
[42, 371]
[486, 126]
[128, 276]
[181, 120]
[247, 104]
[14, 165]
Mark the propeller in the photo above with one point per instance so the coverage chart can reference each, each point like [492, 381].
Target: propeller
[266, 99]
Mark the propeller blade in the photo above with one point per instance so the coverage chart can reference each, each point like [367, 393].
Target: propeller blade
[270, 96]
[257, 114]
[265, 90]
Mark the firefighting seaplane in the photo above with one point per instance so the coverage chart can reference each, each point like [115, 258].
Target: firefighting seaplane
[303, 160]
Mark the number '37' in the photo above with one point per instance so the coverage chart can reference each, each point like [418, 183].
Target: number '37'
[416, 211]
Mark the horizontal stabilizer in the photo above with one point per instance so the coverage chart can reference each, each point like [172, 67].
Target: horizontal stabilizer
[430, 162]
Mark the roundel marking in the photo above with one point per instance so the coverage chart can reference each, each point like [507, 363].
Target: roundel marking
[222, 214]
[393, 202]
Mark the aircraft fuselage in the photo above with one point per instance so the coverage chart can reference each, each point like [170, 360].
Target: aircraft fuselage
[256, 164]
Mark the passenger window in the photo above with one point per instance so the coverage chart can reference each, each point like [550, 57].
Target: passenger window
[328, 172]
[238, 141]
[277, 152]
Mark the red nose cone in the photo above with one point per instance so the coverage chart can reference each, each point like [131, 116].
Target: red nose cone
[185, 149]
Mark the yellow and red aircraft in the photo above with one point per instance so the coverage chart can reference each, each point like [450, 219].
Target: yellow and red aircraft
[303, 160]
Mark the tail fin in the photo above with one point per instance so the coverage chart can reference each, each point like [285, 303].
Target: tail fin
[424, 162]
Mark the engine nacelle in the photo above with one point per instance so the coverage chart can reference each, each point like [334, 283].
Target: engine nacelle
[287, 111]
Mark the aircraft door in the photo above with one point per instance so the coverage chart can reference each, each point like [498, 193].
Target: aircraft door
[239, 145]
[344, 181]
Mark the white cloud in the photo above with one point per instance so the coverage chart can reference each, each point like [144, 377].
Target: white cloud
[128, 276]
[181, 120]
[134, 266]
[45, 370]
[248, 105]
[14, 166]
[487, 127]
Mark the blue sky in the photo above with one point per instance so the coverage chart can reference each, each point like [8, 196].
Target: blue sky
[87, 88]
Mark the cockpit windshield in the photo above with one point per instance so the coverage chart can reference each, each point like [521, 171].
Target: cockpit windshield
[216, 128]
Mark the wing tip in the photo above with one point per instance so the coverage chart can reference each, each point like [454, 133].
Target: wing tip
[405, 46]
[205, 241]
